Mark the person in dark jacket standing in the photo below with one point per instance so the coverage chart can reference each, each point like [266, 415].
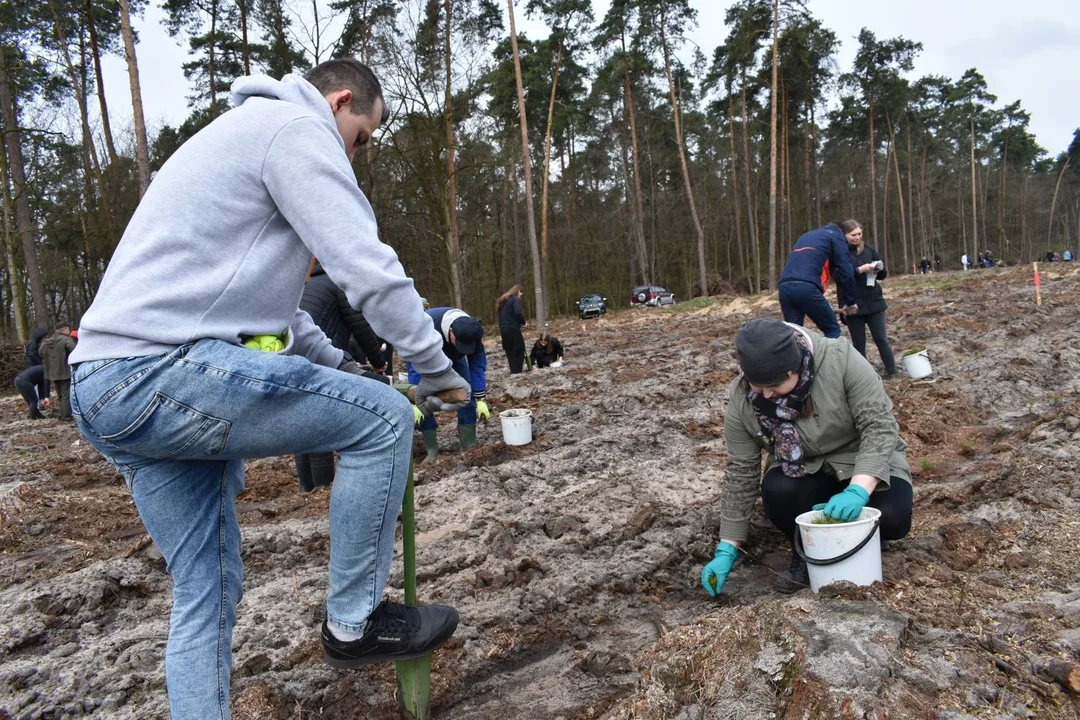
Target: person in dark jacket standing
[463, 343]
[869, 272]
[345, 326]
[511, 320]
[818, 255]
[54, 354]
[31, 382]
[546, 350]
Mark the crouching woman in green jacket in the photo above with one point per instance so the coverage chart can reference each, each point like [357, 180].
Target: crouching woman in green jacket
[819, 410]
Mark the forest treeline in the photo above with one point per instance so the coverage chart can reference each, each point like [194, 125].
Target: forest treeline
[639, 167]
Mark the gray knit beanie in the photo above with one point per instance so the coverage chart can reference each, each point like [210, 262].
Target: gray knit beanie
[767, 350]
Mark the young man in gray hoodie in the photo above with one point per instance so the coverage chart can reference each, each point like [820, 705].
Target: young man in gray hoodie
[163, 386]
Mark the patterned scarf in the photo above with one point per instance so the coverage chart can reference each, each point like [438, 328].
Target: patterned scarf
[777, 417]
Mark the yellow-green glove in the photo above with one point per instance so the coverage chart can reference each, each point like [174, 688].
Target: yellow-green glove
[482, 412]
[418, 415]
[265, 343]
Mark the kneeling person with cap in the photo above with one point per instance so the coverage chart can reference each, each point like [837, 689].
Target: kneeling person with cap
[463, 343]
[820, 412]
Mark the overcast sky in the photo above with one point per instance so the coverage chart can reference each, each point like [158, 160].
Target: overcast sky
[1027, 51]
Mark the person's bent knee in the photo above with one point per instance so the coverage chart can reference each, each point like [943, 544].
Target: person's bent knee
[895, 522]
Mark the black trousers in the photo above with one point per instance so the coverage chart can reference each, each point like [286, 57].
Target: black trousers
[857, 327]
[785, 498]
[514, 344]
[32, 385]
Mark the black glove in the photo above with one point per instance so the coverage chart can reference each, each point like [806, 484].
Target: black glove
[348, 365]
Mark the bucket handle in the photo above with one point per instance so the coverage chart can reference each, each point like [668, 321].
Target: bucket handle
[797, 543]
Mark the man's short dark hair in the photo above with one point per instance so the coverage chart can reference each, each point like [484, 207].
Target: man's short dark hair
[350, 74]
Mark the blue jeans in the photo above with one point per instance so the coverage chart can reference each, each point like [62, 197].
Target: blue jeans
[799, 299]
[467, 414]
[178, 427]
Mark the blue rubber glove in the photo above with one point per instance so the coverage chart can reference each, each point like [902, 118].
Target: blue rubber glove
[714, 575]
[845, 505]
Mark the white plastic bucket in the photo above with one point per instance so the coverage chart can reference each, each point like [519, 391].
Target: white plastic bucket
[516, 426]
[917, 365]
[824, 547]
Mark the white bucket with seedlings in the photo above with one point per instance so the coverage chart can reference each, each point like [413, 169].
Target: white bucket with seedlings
[917, 363]
[836, 551]
[516, 426]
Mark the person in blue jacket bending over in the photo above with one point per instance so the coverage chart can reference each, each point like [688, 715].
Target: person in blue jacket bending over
[463, 343]
[818, 255]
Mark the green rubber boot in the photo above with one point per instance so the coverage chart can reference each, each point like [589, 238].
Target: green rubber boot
[466, 436]
[431, 443]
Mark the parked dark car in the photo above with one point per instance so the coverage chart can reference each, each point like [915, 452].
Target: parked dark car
[591, 305]
[651, 295]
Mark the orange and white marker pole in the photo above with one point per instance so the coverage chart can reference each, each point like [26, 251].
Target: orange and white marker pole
[1038, 292]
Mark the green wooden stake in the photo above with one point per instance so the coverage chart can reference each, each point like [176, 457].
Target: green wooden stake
[413, 676]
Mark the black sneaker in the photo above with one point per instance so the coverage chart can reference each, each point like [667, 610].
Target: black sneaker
[393, 632]
[793, 579]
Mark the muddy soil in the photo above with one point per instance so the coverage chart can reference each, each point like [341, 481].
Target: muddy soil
[574, 560]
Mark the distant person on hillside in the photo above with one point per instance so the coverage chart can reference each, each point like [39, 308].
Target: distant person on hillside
[817, 256]
[925, 266]
[869, 272]
[546, 350]
[55, 350]
[965, 261]
[1067, 256]
[30, 381]
[511, 321]
[937, 263]
[801, 393]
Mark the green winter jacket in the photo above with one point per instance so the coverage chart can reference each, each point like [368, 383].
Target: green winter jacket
[851, 431]
[54, 354]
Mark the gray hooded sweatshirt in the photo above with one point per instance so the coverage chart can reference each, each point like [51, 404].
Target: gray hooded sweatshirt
[220, 245]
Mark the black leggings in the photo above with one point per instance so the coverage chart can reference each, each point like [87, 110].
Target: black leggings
[32, 385]
[856, 325]
[514, 344]
[785, 498]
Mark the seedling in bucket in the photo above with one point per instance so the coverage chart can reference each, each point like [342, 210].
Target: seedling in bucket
[836, 551]
[917, 362]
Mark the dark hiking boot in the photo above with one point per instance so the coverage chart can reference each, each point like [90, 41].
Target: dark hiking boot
[466, 436]
[431, 444]
[795, 578]
[35, 414]
[393, 632]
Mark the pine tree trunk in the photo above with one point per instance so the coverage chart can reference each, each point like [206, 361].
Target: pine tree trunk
[885, 208]
[899, 192]
[1002, 235]
[702, 277]
[453, 240]
[28, 231]
[547, 170]
[772, 146]
[242, 4]
[817, 168]
[736, 203]
[142, 150]
[751, 216]
[910, 197]
[1053, 204]
[974, 195]
[530, 215]
[639, 205]
[873, 180]
[210, 67]
[16, 291]
[106, 128]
